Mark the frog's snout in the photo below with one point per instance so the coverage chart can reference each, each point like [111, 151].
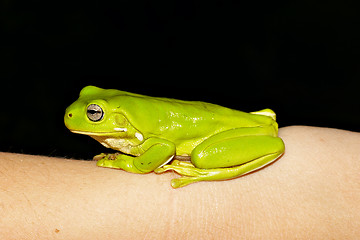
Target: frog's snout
[68, 113]
[67, 117]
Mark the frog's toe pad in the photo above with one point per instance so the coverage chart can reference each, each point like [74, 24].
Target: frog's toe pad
[99, 157]
[101, 163]
[184, 181]
[106, 163]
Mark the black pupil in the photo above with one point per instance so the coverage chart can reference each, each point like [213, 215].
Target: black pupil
[92, 112]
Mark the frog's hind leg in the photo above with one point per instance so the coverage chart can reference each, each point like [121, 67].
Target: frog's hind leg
[227, 155]
[191, 174]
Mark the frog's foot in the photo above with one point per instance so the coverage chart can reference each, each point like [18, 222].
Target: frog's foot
[108, 156]
[189, 172]
[99, 157]
[107, 160]
[176, 165]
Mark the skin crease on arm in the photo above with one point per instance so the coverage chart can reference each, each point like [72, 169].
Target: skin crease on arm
[313, 191]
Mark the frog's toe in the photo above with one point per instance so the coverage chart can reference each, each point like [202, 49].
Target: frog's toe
[189, 171]
[107, 163]
[182, 163]
[184, 181]
[161, 170]
[101, 163]
[99, 157]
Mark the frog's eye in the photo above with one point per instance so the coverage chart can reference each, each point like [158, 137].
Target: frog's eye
[94, 112]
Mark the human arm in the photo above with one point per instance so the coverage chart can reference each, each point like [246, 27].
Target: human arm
[313, 191]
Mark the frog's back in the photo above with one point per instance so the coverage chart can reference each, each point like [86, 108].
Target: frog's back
[165, 116]
[156, 115]
[185, 123]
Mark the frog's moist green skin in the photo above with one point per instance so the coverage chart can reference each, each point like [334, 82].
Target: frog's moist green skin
[148, 131]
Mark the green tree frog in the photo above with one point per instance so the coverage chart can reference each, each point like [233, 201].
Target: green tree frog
[151, 132]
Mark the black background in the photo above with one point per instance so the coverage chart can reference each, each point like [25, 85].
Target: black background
[300, 58]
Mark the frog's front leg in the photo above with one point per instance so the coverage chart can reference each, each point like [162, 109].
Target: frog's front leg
[153, 153]
[228, 155]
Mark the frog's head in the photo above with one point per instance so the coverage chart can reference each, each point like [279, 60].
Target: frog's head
[92, 114]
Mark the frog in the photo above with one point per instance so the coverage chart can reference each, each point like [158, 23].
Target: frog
[198, 140]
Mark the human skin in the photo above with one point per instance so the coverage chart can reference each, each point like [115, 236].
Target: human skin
[312, 192]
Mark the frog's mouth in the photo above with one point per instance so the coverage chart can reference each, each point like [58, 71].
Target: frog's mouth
[94, 133]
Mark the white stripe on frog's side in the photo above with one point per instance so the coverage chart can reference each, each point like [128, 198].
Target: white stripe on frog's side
[139, 136]
[167, 161]
[121, 129]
